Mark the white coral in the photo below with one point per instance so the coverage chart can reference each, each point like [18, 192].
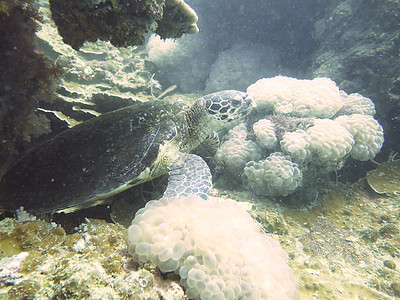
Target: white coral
[277, 175]
[236, 151]
[357, 104]
[297, 145]
[265, 133]
[319, 97]
[215, 247]
[367, 134]
[330, 141]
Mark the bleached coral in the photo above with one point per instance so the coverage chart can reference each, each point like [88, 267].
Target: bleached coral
[319, 97]
[296, 118]
[367, 134]
[236, 151]
[330, 141]
[265, 133]
[297, 145]
[356, 104]
[215, 247]
[277, 175]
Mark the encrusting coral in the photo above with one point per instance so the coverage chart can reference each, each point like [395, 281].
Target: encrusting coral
[26, 76]
[122, 22]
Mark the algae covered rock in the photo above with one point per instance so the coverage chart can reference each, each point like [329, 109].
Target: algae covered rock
[386, 178]
[122, 22]
[39, 260]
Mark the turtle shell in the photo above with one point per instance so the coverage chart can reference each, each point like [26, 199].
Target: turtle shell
[84, 165]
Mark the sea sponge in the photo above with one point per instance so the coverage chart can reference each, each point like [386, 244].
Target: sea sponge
[319, 97]
[236, 151]
[330, 141]
[367, 134]
[214, 246]
[265, 133]
[277, 175]
[297, 145]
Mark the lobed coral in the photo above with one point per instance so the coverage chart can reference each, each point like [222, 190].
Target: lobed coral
[214, 246]
[319, 97]
[297, 145]
[277, 175]
[236, 151]
[367, 134]
[314, 129]
[356, 104]
[330, 142]
[265, 133]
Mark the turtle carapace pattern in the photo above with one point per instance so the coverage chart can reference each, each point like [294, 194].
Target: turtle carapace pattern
[85, 165]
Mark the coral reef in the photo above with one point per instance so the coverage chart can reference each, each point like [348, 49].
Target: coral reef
[302, 129]
[40, 260]
[122, 22]
[26, 77]
[98, 78]
[214, 246]
[346, 246]
[330, 142]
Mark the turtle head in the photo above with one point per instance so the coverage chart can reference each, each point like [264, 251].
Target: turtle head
[228, 106]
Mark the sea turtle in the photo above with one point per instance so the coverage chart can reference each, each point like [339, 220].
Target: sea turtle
[85, 165]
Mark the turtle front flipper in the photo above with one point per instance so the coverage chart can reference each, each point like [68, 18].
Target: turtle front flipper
[192, 176]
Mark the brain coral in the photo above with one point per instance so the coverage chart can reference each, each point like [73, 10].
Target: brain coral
[319, 97]
[214, 246]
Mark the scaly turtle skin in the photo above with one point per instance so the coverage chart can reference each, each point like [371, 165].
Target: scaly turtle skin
[83, 166]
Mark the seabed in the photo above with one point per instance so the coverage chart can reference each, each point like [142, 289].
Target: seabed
[346, 247]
